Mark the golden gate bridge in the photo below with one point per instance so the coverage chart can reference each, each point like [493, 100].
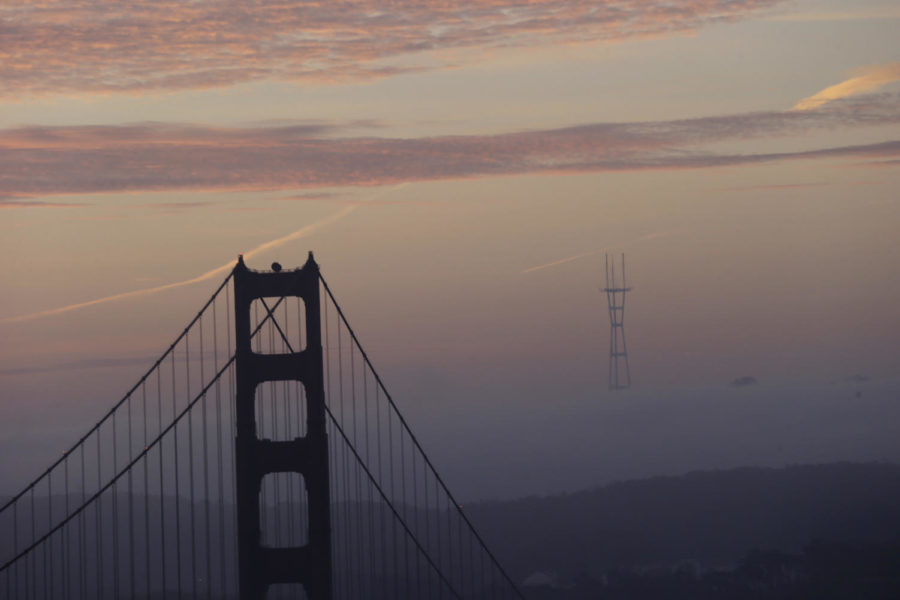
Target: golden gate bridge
[260, 456]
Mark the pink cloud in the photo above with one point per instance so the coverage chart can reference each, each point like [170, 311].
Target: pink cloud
[59, 46]
[775, 186]
[884, 163]
[12, 203]
[39, 161]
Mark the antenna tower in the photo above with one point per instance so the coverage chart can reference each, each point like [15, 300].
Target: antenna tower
[619, 373]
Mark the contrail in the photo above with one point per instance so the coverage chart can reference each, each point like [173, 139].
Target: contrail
[649, 236]
[561, 261]
[655, 235]
[302, 232]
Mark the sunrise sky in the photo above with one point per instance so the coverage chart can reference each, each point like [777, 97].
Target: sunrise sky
[459, 170]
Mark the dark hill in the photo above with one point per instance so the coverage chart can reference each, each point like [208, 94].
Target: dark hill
[710, 518]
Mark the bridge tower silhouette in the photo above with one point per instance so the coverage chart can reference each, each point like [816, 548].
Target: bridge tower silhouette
[260, 456]
[258, 566]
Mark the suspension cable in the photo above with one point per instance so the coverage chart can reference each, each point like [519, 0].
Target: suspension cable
[122, 401]
[415, 440]
[390, 505]
[121, 473]
[153, 443]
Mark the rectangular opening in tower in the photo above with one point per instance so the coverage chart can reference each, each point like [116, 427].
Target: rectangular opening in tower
[283, 514]
[279, 323]
[280, 409]
[286, 591]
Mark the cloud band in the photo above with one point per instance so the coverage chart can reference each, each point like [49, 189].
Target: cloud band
[42, 161]
[64, 46]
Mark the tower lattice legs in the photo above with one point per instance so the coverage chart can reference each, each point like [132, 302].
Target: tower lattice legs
[619, 371]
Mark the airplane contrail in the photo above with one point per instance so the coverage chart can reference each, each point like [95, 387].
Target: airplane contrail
[561, 261]
[302, 232]
[643, 238]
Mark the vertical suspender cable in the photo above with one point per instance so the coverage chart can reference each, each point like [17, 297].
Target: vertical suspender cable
[190, 432]
[130, 505]
[349, 545]
[115, 510]
[220, 484]
[415, 442]
[221, 468]
[206, 503]
[177, 490]
[395, 570]
[82, 536]
[162, 489]
[337, 549]
[48, 581]
[371, 499]
[147, 551]
[66, 583]
[406, 505]
[232, 403]
[381, 521]
[99, 526]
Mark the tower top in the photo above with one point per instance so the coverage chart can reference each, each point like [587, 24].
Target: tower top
[613, 284]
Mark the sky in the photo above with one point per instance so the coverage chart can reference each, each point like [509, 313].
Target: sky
[460, 170]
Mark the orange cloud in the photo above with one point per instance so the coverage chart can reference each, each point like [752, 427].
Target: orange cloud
[869, 79]
[60, 46]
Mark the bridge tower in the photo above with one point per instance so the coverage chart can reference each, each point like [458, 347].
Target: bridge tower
[260, 566]
[619, 372]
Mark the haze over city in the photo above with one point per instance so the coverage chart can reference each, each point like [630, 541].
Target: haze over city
[460, 171]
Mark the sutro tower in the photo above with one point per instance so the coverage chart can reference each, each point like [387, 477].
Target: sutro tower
[619, 373]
